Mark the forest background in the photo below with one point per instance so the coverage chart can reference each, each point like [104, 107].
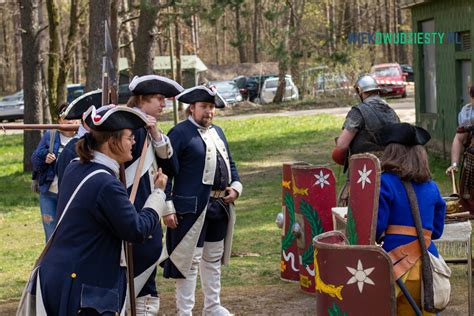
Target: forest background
[47, 44]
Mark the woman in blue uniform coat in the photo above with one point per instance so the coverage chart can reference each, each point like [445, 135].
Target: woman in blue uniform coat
[405, 159]
[148, 98]
[82, 271]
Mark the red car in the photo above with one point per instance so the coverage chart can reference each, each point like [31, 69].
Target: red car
[391, 79]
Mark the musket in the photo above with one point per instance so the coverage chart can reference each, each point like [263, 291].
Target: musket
[29, 127]
[109, 96]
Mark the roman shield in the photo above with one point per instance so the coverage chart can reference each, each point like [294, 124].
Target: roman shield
[314, 191]
[289, 265]
[352, 280]
[364, 189]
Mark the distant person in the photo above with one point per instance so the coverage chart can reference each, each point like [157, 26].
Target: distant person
[361, 123]
[463, 143]
[203, 185]
[74, 111]
[44, 159]
[81, 272]
[405, 160]
[148, 98]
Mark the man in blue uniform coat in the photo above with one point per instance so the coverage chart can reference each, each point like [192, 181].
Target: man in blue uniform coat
[203, 184]
[148, 98]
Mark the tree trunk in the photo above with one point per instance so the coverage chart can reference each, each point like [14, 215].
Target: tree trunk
[32, 76]
[53, 57]
[177, 36]
[99, 12]
[68, 55]
[224, 39]
[297, 12]
[256, 30]
[216, 41]
[329, 27]
[127, 36]
[283, 58]
[4, 59]
[18, 53]
[402, 49]
[144, 43]
[389, 55]
[114, 34]
[240, 36]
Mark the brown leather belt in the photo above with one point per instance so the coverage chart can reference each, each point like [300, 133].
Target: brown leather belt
[406, 230]
[217, 194]
[404, 257]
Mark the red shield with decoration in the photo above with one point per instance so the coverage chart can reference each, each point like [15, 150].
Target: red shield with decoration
[352, 280]
[314, 191]
[364, 188]
[289, 267]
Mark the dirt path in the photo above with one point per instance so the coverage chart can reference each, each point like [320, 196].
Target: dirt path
[281, 299]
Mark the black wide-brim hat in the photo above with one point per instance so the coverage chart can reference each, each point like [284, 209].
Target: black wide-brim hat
[112, 118]
[402, 133]
[153, 84]
[201, 94]
[79, 105]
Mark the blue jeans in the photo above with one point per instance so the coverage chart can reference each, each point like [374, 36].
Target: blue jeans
[48, 203]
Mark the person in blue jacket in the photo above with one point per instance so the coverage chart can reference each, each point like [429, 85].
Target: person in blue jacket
[82, 270]
[74, 111]
[405, 159]
[44, 160]
[148, 98]
[203, 185]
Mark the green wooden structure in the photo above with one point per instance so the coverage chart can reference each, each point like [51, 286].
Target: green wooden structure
[443, 71]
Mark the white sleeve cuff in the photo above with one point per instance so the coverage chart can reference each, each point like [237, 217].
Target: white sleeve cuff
[237, 186]
[156, 201]
[163, 147]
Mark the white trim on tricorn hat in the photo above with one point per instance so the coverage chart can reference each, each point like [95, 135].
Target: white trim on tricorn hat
[154, 84]
[81, 104]
[113, 118]
[201, 94]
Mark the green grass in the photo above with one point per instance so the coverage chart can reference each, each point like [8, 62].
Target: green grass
[259, 146]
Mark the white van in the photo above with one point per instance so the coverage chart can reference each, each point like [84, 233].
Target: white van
[270, 86]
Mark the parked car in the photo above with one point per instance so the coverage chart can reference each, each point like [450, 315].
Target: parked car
[250, 87]
[270, 86]
[409, 71]
[12, 107]
[74, 91]
[332, 83]
[228, 90]
[391, 79]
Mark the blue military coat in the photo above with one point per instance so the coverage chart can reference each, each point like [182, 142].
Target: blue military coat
[190, 178]
[146, 254]
[82, 267]
[394, 209]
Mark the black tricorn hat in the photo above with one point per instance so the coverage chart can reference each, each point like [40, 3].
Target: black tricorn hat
[153, 84]
[111, 118]
[79, 105]
[201, 94]
[402, 133]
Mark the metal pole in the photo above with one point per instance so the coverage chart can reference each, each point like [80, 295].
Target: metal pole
[175, 103]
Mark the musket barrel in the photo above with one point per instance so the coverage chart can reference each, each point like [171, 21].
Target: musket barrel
[63, 127]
